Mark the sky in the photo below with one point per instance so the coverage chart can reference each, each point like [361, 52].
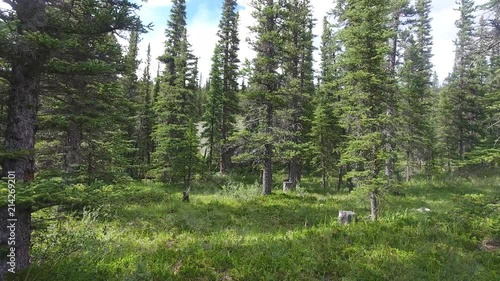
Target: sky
[203, 19]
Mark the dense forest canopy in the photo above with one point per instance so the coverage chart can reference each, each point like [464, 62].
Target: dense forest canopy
[76, 115]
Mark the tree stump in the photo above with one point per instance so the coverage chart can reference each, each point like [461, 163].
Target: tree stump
[287, 185]
[346, 217]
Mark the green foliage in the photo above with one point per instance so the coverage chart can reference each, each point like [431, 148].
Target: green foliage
[366, 90]
[461, 107]
[176, 151]
[146, 121]
[147, 233]
[326, 133]
[222, 102]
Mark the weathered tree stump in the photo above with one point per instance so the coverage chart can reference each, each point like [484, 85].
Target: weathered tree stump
[346, 217]
[287, 185]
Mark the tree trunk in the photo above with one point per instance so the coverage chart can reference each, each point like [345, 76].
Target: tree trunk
[73, 155]
[267, 175]
[373, 205]
[20, 141]
[293, 172]
[340, 178]
[324, 176]
[225, 158]
[407, 166]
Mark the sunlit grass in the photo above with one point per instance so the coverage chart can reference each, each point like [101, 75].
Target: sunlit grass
[229, 232]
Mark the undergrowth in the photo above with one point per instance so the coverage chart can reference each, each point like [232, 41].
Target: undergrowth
[229, 232]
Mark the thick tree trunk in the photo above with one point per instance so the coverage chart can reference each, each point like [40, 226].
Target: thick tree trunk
[373, 205]
[21, 236]
[20, 141]
[225, 159]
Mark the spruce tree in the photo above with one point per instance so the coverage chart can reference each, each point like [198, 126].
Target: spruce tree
[42, 30]
[367, 86]
[461, 118]
[487, 67]
[174, 157]
[213, 110]
[223, 99]
[146, 119]
[298, 86]
[131, 89]
[326, 133]
[265, 80]
[416, 133]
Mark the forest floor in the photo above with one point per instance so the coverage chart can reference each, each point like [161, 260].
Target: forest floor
[229, 232]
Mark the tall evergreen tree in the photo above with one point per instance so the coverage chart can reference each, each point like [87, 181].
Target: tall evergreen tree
[326, 132]
[487, 67]
[223, 99]
[213, 110]
[461, 112]
[41, 28]
[131, 89]
[400, 12]
[416, 133]
[265, 80]
[146, 119]
[298, 85]
[367, 85]
[174, 157]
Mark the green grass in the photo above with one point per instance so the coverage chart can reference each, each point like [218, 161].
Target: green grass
[230, 232]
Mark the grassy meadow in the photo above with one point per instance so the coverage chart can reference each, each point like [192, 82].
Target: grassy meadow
[228, 231]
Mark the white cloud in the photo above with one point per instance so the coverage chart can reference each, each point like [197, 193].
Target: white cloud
[444, 15]
[202, 32]
[203, 26]
[320, 9]
[4, 5]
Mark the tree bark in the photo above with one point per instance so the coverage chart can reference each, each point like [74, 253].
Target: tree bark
[267, 175]
[293, 172]
[407, 166]
[73, 155]
[340, 178]
[225, 158]
[20, 142]
[374, 205]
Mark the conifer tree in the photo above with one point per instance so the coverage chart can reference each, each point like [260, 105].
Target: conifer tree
[416, 133]
[298, 86]
[265, 80]
[487, 67]
[131, 90]
[223, 99]
[326, 133]
[461, 112]
[43, 28]
[367, 83]
[213, 110]
[174, 157]
[146, 119]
